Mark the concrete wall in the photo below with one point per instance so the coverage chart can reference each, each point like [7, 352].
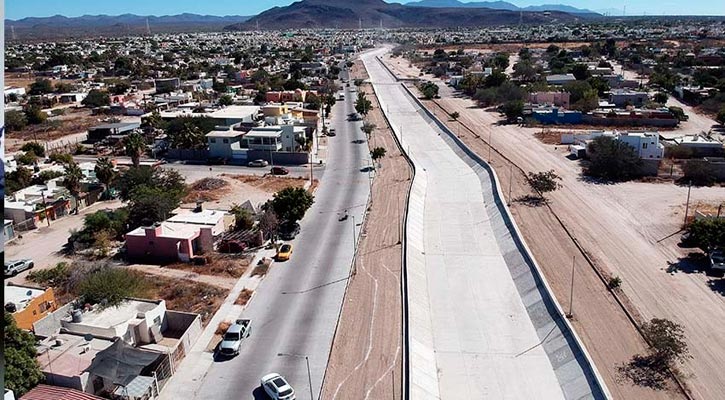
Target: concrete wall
[185, 154]
[659, 122]
[573, 367]
[38, 308]
[188, 322]
[280, 157]
[50, 324]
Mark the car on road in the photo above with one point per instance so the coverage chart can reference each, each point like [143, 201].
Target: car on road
[279, 171]
[277, 387]
[233, 337]
[284, 252]
[257, 163]
[14, 267]
[331, 132]
[353, 117]
[288, 231]
[717, 261]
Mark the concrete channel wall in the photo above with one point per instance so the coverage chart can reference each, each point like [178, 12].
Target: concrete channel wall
[575, 371]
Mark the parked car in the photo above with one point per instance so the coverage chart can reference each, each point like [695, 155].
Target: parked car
[284, 252]
[279, 171]
[257, 163]
[14, 267]
[717, 261]
[232, 340]
[277, 387]
[288, 231]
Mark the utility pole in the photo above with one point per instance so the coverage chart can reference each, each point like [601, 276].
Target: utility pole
[45, 207]
[511, 181]
[490, 131]
[309, 372]
[687, 204]
[354, 242]
[571, 290]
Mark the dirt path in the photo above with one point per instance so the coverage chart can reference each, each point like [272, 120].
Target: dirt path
[366, 357]
[223, 282]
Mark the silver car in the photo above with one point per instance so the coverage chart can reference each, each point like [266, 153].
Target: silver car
[14, 267]
[277, 387]
[257, 163]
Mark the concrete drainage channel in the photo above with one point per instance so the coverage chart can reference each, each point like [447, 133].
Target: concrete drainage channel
[573, 367]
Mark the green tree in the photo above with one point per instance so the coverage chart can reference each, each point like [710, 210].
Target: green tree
[290, 204]
[580, 71]
[44, 176]
[22, 371]
[41, 86]
[96, 98]
[15, 120]
[27, 158]
[362, 104]
[35, 147]
[110, 286]
[19, 179]
[189, 132]
[612, 159]
[242, 217]
[63, 158]
[135, 146]
[35, 115]
[429, 90]
[72, 178]
[377, 153]
[64, 87]
[513, 109]
[149, 205]
[707, 233]
[225, 100]
[120, 88]
[368, 128]
[544, 182]
[219, 86]
[105, 171]
[660, 97]
[699, 172]
[313, 101]
[678, 112]
[455, 115]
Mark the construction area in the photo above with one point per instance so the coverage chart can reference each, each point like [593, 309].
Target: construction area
[366, 357]
[630, 232]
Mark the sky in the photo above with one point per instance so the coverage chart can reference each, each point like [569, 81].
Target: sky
[16, 9]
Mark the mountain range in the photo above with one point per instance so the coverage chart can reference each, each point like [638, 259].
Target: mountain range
[498, 5]
[343, 14]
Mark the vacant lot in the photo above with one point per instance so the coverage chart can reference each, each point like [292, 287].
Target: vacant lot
[270, 183]
[222, 191]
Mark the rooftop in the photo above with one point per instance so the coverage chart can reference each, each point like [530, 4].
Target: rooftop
[204, 217]
[117, 125]
[172, 231]
[265, 132]
[21, 295]
[112, 316]
[68, 354]
[229, 133]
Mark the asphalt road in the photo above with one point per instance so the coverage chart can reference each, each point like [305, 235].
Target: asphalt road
[296, 307]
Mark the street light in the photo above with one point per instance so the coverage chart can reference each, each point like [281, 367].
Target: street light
[309, 374]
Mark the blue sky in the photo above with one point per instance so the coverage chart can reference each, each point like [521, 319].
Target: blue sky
[15, 9]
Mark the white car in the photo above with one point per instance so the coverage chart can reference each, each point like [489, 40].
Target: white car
[257, 163]
[277, 387]
[15, 267]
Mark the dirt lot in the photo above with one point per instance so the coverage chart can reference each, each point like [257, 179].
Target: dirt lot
[186, 296]
[73, 121]
[270, 183]
[365, 361]
[626, 230]
[237, 189]
[226, 266]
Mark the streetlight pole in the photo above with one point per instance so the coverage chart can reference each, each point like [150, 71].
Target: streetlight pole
[511, 181]
[45, 207]
[687, 204]
[571, 290]
[309, 373]
[354, 242]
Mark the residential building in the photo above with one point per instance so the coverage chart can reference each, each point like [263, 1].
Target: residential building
[226, 116]
[75, 98]
[30, 206]
[47, 392]
[288, 95]
[8, 231]
[227, 143]
[559, 99]
[555, 115]
[560, 79]
[701, 146]
[164, 242]
[167, 85]
[624, 97]
[29, 304]
[103, 131]
[645, 143]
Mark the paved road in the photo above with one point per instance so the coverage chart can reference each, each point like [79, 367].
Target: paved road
[296, 307]
[479, 323]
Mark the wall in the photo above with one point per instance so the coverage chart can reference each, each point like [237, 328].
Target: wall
[280, 157]
[32, 313]
[187, 154]
[50, 324]
[158, 248]
[659, 122]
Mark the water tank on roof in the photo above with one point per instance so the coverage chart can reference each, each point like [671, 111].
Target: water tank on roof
[77, 316]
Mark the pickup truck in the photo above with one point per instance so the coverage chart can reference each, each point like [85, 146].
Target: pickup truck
[233, 337]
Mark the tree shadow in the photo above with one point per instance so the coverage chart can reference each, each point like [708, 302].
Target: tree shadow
[532, 200]
[694, 262]
[645, 371]
[596, 181]
[717, 286]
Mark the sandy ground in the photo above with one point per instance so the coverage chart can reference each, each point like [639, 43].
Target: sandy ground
[622, 228]
[235, 192]
[365, 361]
[224, 282]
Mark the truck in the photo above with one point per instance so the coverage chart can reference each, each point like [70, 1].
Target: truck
[233, 337]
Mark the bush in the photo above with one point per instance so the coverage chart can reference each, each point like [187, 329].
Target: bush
[35, 147]
[44, 176]
[55, 277]
[615, 282]
[612, 160]
[544, 182]
[96, 98]
[15, 120]
[63, 158]
[707, 233]
[699, 172]
[35, 115]
[27, 158]
[109, 286]
[291, 204]
[22, 371]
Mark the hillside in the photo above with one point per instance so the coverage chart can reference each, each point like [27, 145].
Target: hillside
[341, 14]
[499, 5]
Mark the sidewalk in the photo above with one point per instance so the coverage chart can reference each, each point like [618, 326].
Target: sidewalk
[190, 374]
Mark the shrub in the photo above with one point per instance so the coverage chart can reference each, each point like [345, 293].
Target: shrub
[614, 282]
[699, 172]
[15, 120]
[612, 159]
[109, 286]
[35, 147]
[63, 158]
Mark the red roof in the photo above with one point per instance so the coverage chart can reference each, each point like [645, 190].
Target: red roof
[46, 392]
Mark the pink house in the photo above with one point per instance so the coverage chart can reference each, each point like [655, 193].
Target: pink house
[560, 99]
[168, 242]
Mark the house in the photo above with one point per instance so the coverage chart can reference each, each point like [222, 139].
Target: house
[100, 132]
[288, 95]
[167, 85]
[560, 79]
[30, 206]
[559, 99]
[218, 221]
[226, 116]
[29, 304]
[624, 97]
[701, 146]
[166, 242]
[76, 98]
[226, 142]
[8, 231]
[645, 143]
[47, 392]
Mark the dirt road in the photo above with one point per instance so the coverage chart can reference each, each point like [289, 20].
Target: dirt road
[365, 362]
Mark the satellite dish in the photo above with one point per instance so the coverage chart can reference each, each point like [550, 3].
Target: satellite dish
[88, 337]
[29, 293]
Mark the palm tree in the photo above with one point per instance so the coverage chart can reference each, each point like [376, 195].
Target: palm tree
[135, 146]
[105, 172]
[72, 178]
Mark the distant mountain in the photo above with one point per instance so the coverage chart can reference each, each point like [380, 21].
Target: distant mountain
[59, 26]
[498, 5]
[345, 14]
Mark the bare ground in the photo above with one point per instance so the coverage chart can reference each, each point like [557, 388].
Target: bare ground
[365, 361]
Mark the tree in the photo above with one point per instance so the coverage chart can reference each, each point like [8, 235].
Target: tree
[368, 128]
[72, 177]
[110, 286]
[358, 82]
[63, 87]
[290, 204]
[37, 148]
[44, 176]
[96, 98]
[219, 86]
[153, 122]
[455, 115]
[242, 218]
[699, 172]
[15, 120]
[721, 116]
[544, 182]
[226, 100]
[63, 158]
[580, 71]
[27, 158]
[612, 159]
[35, 115]
[189, 132]
[313, 101]
[41, 86]
[362, 104]
[268, 222]
[707, 233]
[135, 145]
[429, 90]
[22, 371]
[377, 153]
[120, 88]
[660, 97]
[678, 112]
[105, 171]
[513, 109]
[19, 179]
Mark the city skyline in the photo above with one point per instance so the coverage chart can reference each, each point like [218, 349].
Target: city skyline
[16, 9]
